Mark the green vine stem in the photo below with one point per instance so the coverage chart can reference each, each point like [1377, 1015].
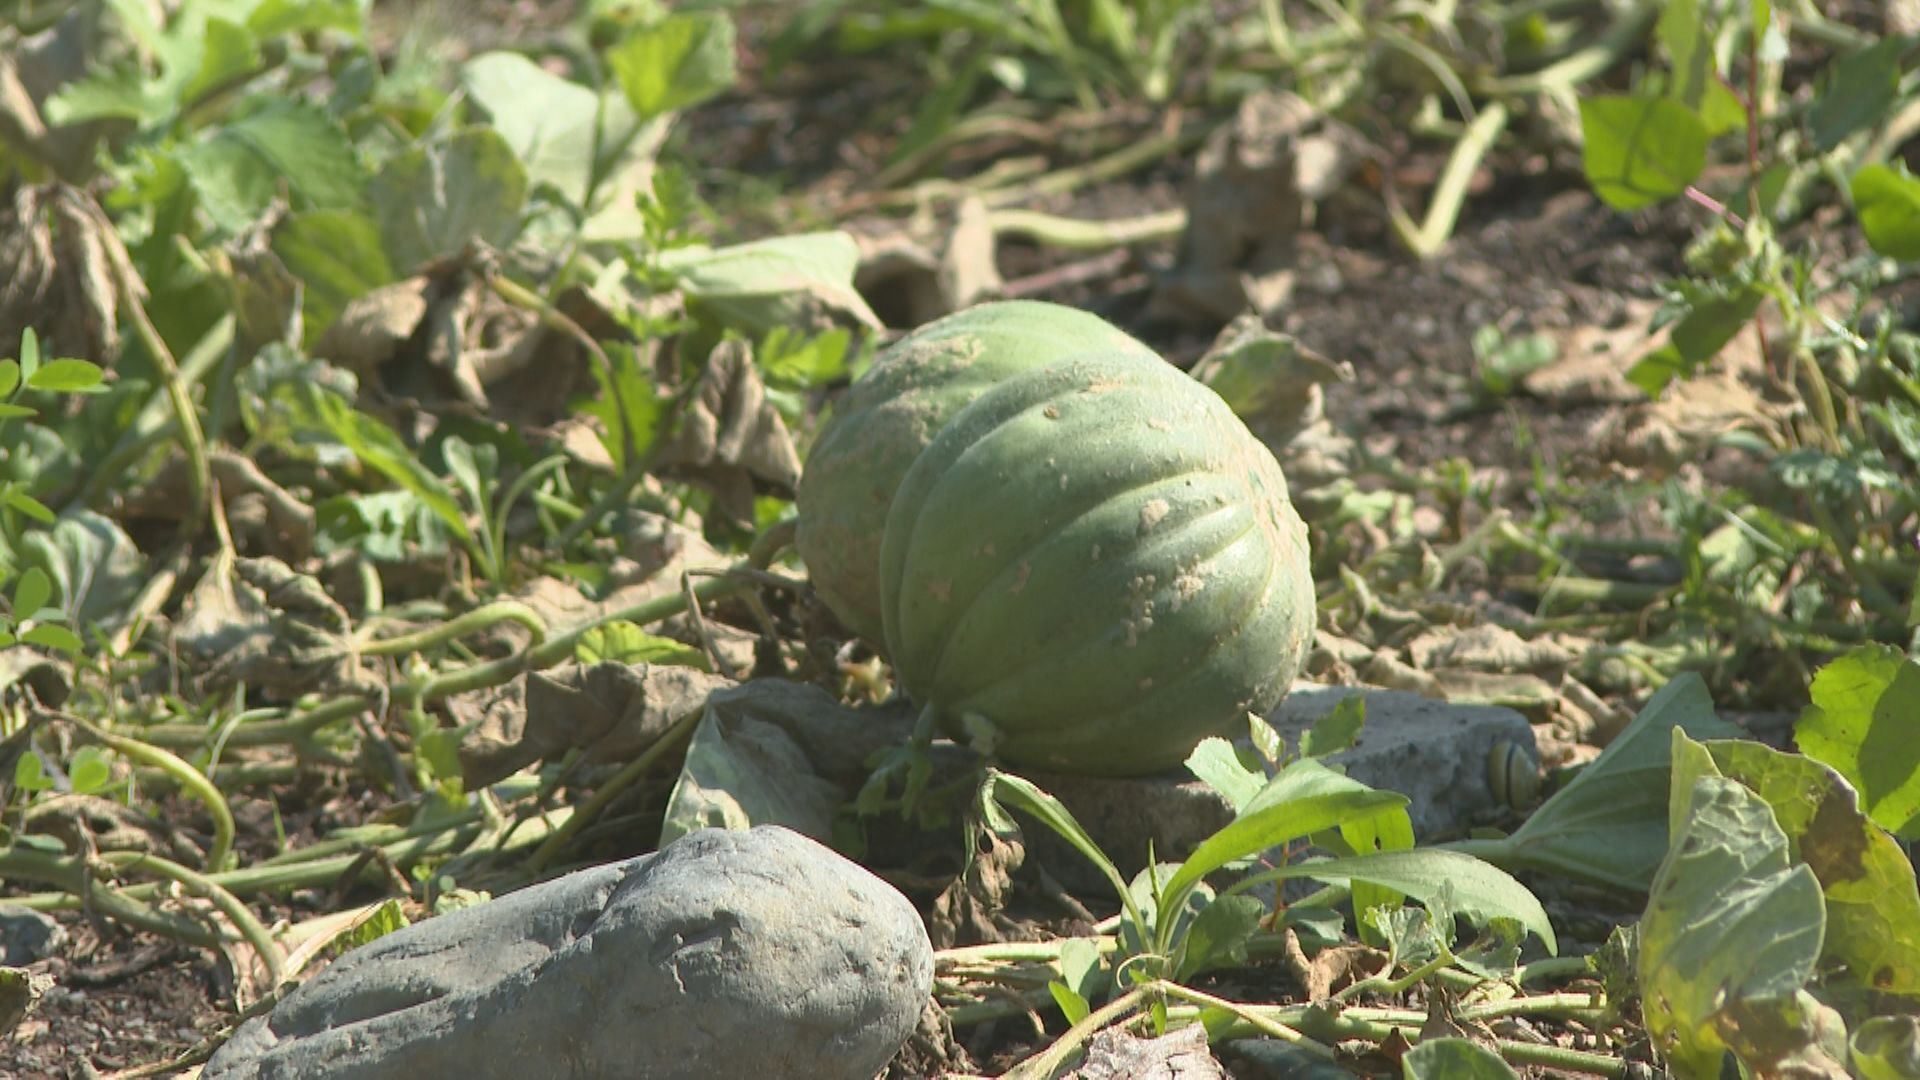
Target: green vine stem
[72, 875]
[186, 414]
[204, 887]
[546, 654]
[192, 780]
[470, 622]
[1076, 234]
[18, 863]
[1044, 1064]
[1429, 237]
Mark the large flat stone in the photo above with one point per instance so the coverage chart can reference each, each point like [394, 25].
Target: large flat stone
[753, 954]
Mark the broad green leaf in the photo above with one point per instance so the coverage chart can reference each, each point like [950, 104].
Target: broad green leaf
[784, 280]
[1795, 1035]
[1336, 729]
[120, 93]
[1729, 918]
[589, 148]
[338, 257]
[31, 593]
[1861, 723]
[10, 411]
[95, 566]
[1689, 48]
[741, 771]
[240, 169]
[1081, 970]
[1640, 150]
[1218, 936]
[66, 376]
[1856, 92]
[676, 63]
[1873, 908]
[384, 919]
[1435, 877]
[228, 51]
[1217, 764]
[626, 643]
[1454, 1058]
[1304, 798]
[1609, 824]
[9, 376]
[431, 201]
[1887, 1048]
[1887, 199]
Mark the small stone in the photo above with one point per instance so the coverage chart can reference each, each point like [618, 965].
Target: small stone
[27, 935]
[758, 953]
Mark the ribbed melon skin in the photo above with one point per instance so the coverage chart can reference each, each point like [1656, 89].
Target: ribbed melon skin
[895, 409]
[1097, 558]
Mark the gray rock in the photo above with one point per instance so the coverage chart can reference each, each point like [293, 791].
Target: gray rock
[1434, 752]
[27, 935]
[750, 954]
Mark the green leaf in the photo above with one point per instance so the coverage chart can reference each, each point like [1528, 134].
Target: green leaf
[1072, 1005]
[54, 636]
[1217, 764]
[626, 643]
[1218, 936]
[30, 773]
[1453, 1058]
[431, 201]
[9, 376]
[1640, 150]
[95, 566]
[1336, 729]
[338, 257]
[676, 63]
[1887, 1048]
[1437, 878]
[379, 448]
[1856, 92]
[1861, 723]
[1873, 908]
[66, 376]
[28, 505]
[1005, 789]
[1304, 798]
[228, 52]
[90, 770]
[31, 593]
[29, 353]
[1609, 824]
[240, 169]
[1690, 50]
[1729, 919]
[378, 923]
[121, 93]
[14, 412]
[1713, 316]
[275, 17]
[588, 147]
[1887, 200]
[783, 280]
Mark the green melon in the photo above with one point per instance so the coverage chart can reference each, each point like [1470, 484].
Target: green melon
[1094, 566]
[894, 410]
